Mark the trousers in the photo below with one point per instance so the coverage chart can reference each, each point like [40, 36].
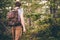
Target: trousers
[16, 32]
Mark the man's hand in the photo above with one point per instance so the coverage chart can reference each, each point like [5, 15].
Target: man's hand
[24, 30]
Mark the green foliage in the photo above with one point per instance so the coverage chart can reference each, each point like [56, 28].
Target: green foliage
[5, 3]
[43, 26]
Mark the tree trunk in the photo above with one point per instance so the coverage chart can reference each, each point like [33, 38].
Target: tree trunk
[53, 8]
[29, 21]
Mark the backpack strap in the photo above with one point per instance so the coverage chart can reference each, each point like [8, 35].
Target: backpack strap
[16, 8]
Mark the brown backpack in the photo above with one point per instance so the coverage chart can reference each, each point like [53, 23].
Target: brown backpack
[12, 17]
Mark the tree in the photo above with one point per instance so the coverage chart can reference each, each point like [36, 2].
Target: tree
[53, 7]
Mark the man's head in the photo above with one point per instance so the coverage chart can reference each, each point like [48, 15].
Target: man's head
[17, 4]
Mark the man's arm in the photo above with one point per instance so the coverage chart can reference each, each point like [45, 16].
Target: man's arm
[22, 20]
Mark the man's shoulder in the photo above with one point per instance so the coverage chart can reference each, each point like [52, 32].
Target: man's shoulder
[20, 8]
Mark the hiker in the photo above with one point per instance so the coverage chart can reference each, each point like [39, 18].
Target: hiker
[17, 28]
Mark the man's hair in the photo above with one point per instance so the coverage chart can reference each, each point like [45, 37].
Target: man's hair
[17, 4]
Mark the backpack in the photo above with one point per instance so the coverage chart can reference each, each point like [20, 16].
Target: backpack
[12, 17]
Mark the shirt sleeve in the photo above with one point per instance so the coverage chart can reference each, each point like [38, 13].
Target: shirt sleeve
[20, 11]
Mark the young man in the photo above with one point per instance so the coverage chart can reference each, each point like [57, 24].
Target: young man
[19, 28]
